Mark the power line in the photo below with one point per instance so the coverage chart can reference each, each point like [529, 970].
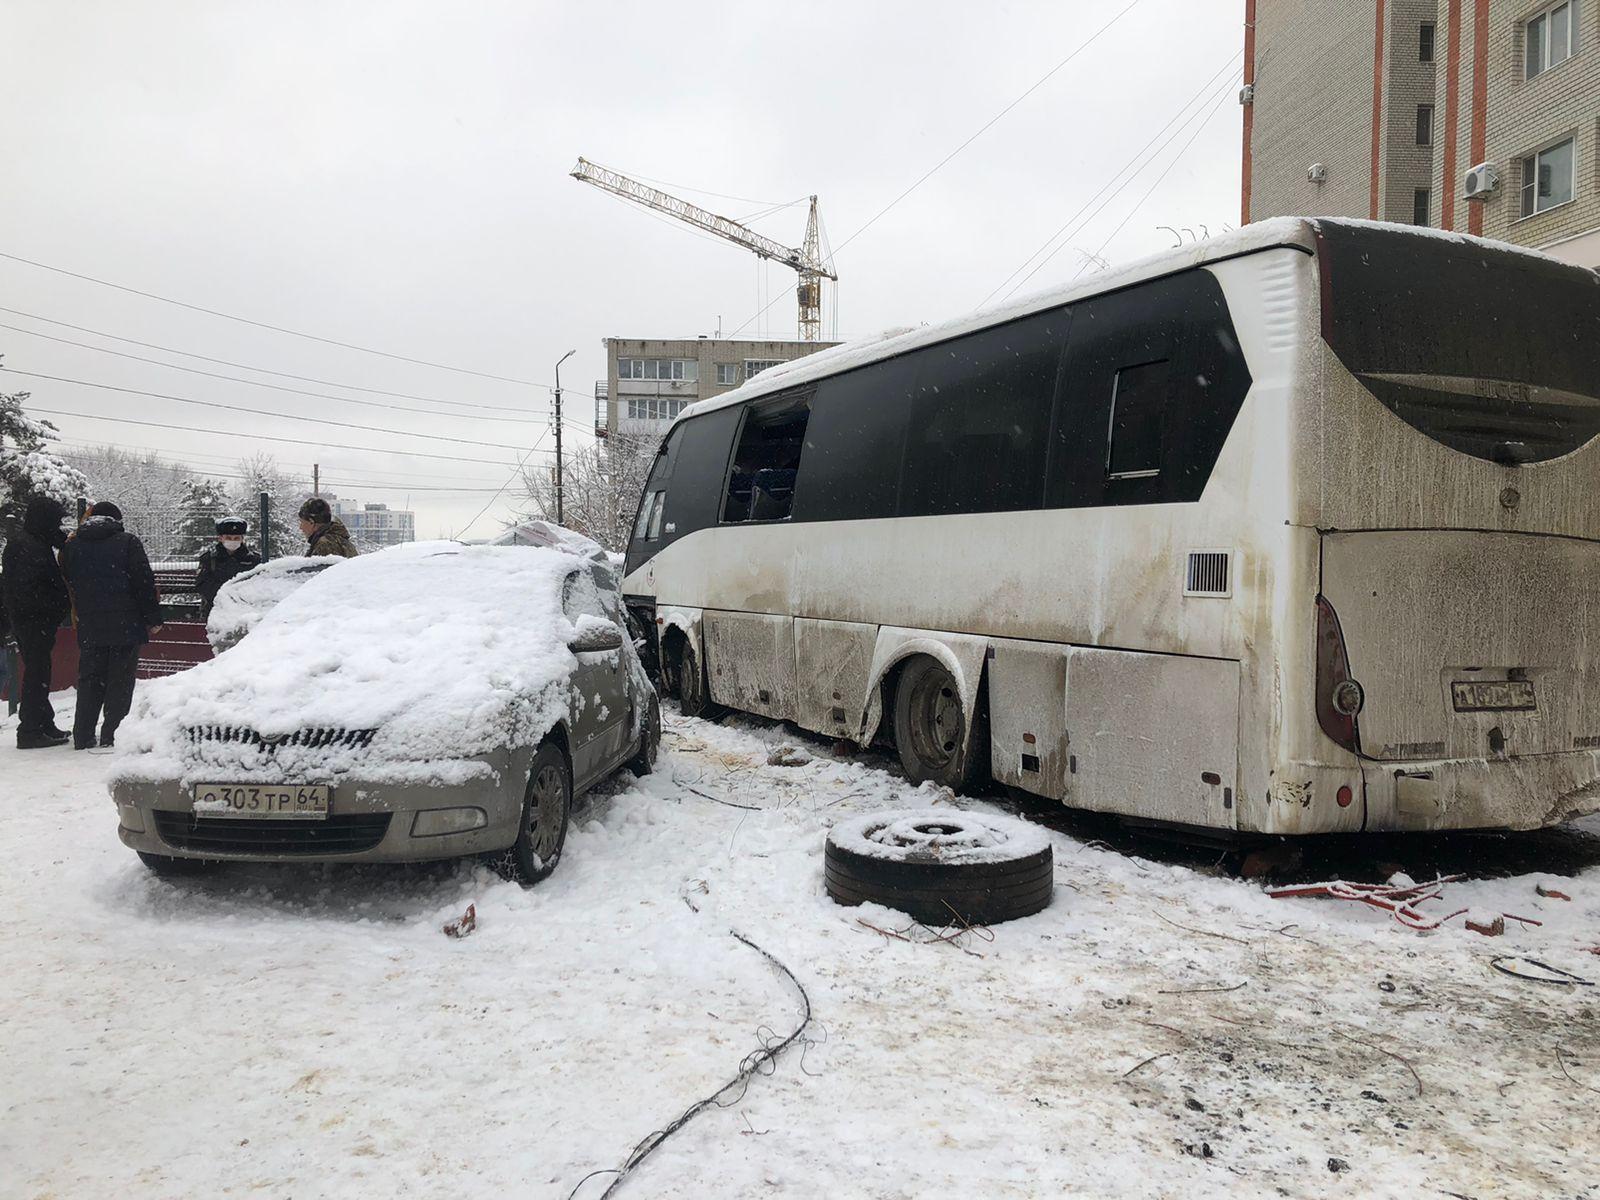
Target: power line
[212, 312]
[974, 137]
[223, 362]
[263, 437]
[1201, 112]
[515, 471]
[82, 448]
[277, 387]
[1138, 154]
[255, 412]
[1221, 100]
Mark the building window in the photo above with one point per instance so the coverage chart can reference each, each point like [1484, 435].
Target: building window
[685, 370]
[1424, 124]
[654, 408]
[1425, 42]
[1547, 178]
[754, 366]
[727, 373]
[1551, 37]
[1421, 205]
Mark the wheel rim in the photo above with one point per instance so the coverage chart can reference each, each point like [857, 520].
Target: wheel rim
[546, 812]
[937, 725]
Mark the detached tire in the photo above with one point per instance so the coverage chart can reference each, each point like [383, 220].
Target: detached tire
[941, 866]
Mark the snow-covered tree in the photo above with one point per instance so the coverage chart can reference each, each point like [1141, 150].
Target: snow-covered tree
[204, 502]
[28, 466]
[285, 492]
[602, 483]
[137, 484]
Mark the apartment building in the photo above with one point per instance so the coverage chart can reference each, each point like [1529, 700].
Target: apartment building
[374, 525]
[649, 381]
[1481, 116]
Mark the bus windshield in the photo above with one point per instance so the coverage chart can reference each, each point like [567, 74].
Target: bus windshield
[1492, 352]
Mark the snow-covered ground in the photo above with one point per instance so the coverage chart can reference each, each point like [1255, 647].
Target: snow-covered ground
[1159, 1031]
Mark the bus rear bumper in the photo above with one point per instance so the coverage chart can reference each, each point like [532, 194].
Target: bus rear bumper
[1512, 793]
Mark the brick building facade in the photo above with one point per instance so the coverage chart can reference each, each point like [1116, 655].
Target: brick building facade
[1379, 108]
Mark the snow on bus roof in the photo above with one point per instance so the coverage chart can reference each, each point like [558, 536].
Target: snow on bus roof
[1261, 235]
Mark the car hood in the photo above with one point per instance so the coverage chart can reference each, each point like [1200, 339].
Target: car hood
[429, 651]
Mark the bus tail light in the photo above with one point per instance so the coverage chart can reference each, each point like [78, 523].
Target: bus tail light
[1339, 697]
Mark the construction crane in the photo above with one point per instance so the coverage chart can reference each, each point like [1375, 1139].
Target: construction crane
[805, 261]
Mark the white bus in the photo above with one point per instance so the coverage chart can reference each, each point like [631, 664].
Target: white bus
[1292, 531]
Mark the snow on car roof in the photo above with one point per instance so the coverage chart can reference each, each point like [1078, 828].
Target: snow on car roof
[446, 650]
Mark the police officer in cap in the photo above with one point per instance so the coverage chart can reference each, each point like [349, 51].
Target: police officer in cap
[228, 556]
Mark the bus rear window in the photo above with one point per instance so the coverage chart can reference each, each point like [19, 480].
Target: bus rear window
[1491, 352]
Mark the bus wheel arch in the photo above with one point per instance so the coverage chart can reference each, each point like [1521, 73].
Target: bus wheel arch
[911, 697]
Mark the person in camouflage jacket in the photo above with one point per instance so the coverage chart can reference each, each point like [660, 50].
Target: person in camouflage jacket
[325, 533]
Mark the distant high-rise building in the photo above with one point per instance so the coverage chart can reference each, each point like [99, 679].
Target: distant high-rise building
[374, 524]
[1480, 116]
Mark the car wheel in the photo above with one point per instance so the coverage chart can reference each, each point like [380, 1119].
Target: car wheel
[644, 759]
[941, 866]
[168, 867]
[546, 807]
[694, 694]
[930, 727]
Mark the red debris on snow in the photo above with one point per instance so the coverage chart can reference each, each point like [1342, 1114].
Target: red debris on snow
[464, 924]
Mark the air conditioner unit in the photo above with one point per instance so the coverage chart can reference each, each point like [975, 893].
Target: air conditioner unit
[1317, 173]
[1247, 94]
[1482, 180]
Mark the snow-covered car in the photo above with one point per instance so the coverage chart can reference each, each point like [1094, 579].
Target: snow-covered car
[428, 701]
[246, 598]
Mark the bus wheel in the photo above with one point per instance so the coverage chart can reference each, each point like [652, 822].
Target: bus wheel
[694, 695]
[930, 728]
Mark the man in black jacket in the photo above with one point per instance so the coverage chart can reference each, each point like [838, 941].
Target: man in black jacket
[226, 557]
[36, 603]
[114, 594]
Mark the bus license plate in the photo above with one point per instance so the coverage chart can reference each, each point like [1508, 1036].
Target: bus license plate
[308, 801]
[1493, 695]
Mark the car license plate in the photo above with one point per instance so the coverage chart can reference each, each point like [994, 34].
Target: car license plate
[308, 801]
[1493, 695]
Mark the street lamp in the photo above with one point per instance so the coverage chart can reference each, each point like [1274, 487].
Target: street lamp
[560, 512]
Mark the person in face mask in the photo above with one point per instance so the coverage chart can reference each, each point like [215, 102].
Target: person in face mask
[228, 556]
[36, 602]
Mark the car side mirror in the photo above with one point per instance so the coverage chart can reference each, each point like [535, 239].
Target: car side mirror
[594, 635]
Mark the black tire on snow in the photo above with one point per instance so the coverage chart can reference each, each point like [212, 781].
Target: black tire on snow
[941, 866]
[546, 809]
[931, 727]
[644, 759]
[694, 693]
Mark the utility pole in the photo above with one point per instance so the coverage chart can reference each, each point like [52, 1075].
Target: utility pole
[316, 479]
[560, 510]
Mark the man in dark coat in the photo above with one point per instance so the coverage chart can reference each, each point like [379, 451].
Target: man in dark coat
[222, 560]
[36, 603]
[325, 534]
[114, 594]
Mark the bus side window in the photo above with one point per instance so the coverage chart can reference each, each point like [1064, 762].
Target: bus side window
[1138, 407]
[980, 422]
[766, 464]
[652, 500]
[855, 440]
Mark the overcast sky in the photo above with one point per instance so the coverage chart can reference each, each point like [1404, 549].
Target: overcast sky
[394, 175]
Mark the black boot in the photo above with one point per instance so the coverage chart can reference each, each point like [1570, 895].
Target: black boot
[39, 740]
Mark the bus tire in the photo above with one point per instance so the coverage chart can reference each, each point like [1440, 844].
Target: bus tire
[941, 866]
[694, 693]
[930, 727]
